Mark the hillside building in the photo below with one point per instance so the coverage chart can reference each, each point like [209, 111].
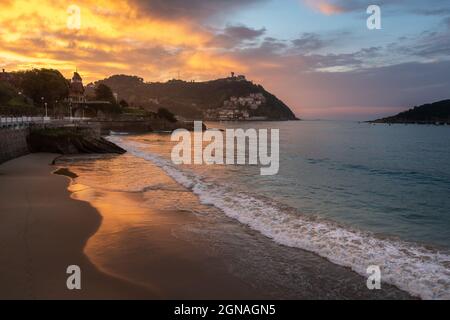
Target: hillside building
[79, 105]
[237, 108]
[76, 90]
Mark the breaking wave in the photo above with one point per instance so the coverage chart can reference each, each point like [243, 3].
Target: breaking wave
[419, 270]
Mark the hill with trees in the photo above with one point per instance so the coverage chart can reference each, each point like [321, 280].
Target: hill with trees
[191, 99]
[432, 113]
[27, 91]
[48, 84]
[14, 103]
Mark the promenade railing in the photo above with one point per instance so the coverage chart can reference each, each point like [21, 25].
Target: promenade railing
[18, 122]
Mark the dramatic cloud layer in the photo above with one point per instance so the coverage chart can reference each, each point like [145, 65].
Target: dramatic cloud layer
[192, 9]
[233, 36]
[320, 73]
[114, 37]
[340, 6]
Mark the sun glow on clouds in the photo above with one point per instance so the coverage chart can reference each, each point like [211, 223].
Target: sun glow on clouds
[115, 37]
[200, 40]
[324, 7]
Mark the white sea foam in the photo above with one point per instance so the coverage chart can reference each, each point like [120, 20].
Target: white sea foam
[421, 271]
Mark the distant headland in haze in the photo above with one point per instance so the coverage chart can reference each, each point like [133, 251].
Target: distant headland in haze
[431, 113]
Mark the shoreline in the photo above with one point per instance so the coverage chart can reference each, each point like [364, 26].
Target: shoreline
[128, 250]
[143, 248]
[136, 229]
[48, 229]
[44, 231]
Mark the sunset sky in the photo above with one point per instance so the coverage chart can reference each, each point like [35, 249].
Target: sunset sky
[316, 55]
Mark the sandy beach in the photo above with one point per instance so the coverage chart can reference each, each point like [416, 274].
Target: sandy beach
[43, 230]
[142, 245]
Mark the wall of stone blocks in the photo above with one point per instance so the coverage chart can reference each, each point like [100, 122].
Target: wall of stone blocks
[13, 143]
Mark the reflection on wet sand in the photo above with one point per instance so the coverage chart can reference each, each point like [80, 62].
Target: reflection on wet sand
[137, 243]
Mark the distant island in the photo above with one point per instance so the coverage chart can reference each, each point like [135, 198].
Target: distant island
[231, 98]
[432, 113]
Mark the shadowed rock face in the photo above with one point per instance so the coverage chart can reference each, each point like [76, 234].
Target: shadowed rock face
[69, 141]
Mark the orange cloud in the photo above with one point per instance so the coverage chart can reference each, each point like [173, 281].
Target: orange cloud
[324, 7]
[115, 37]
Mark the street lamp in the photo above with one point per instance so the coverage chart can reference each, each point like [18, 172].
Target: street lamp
[45, 105]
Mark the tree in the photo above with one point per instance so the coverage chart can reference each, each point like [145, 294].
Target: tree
[166, 114]
[43, 83]
[123, 104]
[6, 93]
[9, 97]
[104, 93]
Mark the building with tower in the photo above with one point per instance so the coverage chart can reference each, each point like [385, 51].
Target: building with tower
[82, 107]
[76, 90]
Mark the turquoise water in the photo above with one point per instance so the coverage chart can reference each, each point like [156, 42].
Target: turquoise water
[356, 194]
[392, 180]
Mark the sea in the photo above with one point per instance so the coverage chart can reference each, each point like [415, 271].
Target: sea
[351, 194]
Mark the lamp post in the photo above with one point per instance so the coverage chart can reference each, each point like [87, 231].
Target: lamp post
[44, 105]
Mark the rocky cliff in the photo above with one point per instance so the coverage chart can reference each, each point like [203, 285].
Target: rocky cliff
[69, 141]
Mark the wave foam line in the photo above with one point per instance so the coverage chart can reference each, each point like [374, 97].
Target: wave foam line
[421, 271]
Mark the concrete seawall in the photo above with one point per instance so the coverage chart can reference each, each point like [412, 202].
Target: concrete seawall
[13, 140]
[139, 126]
[13, 143]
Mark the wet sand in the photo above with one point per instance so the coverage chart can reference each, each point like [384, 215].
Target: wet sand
[43, 230]
[143, 248]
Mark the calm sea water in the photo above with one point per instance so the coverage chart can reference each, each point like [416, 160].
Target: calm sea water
[392, 180]
[355, 194]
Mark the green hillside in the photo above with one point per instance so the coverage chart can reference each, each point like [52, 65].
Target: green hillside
[438, 112]
[191, 99]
